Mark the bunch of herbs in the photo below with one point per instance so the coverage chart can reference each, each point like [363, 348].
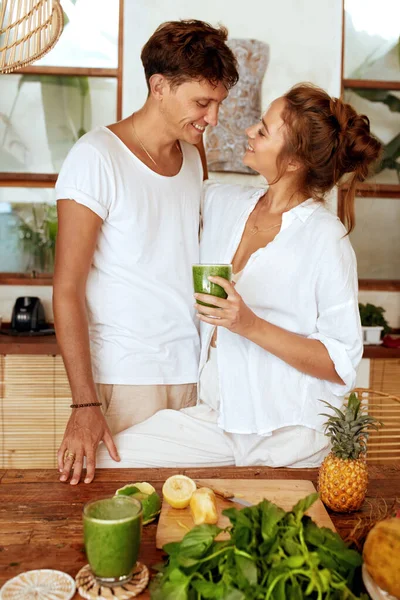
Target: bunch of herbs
[270, 554]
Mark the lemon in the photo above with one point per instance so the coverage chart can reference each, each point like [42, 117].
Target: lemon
[177, 490]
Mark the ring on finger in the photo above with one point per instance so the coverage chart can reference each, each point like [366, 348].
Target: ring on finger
[69, 455]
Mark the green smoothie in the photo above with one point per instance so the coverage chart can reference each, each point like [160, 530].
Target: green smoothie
[203, 286]
[112, 530]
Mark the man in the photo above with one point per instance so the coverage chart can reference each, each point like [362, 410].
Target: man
[128, 209]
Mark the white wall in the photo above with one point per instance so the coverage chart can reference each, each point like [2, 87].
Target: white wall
[304, 38]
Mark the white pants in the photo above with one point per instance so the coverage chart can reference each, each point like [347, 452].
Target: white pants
[191, 438]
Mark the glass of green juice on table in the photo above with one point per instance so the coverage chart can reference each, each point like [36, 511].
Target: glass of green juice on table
[201, 273]
[112, 529]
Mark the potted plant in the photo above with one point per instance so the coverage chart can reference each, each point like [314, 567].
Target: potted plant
[373, 323]
[38, 232]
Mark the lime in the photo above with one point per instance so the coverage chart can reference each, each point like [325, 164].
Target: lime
[146, 493]
[131, 489]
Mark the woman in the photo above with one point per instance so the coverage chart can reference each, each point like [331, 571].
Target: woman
[289, 332]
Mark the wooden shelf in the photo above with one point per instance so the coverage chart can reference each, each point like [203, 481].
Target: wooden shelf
[26, 279]
[46, 344]
[371, 84]
[374, 190]
[381, 352]
[69, 71]
[379, 285]
[34, 180]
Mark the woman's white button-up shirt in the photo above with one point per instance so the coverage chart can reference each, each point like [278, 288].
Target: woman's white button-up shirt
[304, 281]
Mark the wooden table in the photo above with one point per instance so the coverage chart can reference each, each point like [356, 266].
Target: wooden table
[41, 518]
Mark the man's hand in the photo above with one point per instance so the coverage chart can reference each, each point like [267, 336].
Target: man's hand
[231, 313]
[85, 430]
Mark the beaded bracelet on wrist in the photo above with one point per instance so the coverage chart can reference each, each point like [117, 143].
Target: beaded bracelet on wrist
[85, 405]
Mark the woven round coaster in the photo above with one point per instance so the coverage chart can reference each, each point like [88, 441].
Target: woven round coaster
[46, 584]
[89, 588]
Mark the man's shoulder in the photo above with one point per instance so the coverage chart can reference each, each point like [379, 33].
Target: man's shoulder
[100, 139]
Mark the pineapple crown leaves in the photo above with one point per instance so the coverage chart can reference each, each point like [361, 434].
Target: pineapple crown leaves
[349, 430]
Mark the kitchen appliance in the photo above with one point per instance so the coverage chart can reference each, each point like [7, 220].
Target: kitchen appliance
[28, 314]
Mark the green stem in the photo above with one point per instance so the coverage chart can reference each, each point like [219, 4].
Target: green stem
[241, 553]
[207, 558]
[285, 576]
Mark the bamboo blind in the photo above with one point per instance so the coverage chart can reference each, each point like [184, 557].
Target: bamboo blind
[385, 375]
[35, 398]
[35, 403]
[383, 445]
[28, 30]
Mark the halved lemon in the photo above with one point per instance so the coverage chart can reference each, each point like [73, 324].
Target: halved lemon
[177, 490]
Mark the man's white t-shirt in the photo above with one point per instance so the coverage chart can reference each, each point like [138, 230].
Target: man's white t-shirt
[139, 290]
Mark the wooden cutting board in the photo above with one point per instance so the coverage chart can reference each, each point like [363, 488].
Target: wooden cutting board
[173, 524]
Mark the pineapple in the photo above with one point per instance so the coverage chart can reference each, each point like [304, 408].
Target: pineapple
[343, 476]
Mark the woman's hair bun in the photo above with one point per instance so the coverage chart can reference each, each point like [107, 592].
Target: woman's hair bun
[357, 148]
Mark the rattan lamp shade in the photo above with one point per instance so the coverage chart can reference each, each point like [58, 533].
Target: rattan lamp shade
[28, 29]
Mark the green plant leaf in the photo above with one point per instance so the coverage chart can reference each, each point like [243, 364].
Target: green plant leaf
[288, 557]
[198, 540]
[303, 505]
[233, 594]
[271, 515]
[247, 568]
[371, 315]
[378, 95]
[209, 589]
[174, 588]
[66, 108]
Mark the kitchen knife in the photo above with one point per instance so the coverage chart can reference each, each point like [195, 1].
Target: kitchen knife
[225, 494]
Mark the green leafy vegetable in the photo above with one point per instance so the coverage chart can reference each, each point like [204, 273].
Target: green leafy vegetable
[270, 555]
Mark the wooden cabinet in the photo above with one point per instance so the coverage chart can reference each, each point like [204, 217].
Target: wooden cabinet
[35, 399]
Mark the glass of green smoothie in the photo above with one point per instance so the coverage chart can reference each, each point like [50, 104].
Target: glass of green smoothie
[112, 529]
[202, 285]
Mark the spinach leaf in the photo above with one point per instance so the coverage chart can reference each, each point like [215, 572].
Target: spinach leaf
[270, 555]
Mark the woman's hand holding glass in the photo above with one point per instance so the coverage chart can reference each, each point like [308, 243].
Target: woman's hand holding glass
[231, 313]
